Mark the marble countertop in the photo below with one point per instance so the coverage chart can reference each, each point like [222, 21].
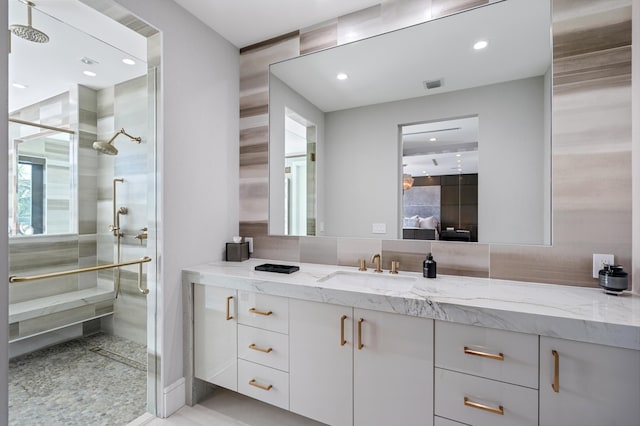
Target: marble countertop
[575, 313]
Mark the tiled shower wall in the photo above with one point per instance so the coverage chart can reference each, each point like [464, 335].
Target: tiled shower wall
[591, 136]
[123, 106]
[42, 254]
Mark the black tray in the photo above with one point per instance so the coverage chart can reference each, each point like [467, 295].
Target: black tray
[281, 269]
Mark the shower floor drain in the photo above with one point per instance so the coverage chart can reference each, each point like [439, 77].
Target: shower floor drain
[118, 358]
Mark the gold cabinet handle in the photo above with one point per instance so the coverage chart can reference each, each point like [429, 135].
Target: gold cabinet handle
[499, 357]
[343, 341]
[256, 311]
[556, 371]
[469, 403]
[229, 317]
[259, 386]
[259, 349]
[360, 345]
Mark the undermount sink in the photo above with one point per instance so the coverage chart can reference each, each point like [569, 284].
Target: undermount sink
[367, 280]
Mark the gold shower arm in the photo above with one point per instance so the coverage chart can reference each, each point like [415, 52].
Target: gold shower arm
[16, 279]
[123, 132]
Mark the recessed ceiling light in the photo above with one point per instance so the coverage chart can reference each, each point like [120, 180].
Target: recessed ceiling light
[433, 139]
[19, 85]
[129, 61]
[457, 155]
[480, 45]
[342, 76]
[89, 73]
[424, 171]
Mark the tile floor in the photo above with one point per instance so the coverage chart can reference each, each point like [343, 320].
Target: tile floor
[226, 408]
[96, 380]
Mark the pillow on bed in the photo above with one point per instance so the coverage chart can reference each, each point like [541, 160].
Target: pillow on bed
[428, 222]
[411, 222]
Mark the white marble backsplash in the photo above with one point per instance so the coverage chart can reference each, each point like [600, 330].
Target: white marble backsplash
[575, 313]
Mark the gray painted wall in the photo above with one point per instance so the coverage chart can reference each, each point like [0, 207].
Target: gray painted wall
[511, 142]
[197, 158]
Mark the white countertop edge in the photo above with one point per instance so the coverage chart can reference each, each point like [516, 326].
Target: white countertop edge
[574, 313]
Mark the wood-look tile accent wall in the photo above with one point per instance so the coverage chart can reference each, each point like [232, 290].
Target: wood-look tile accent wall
[591, 151]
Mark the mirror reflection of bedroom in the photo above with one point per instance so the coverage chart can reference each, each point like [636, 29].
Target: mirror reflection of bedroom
[440, 180]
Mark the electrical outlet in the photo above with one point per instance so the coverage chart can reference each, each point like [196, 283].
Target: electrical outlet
[250, 241]
[379, 228]
[599, 260]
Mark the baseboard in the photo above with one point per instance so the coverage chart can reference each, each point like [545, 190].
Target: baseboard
[173, 397]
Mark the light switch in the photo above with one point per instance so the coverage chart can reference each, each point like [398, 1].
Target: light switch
[379, 228]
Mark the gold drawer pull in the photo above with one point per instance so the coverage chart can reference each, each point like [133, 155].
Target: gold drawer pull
[229, 317]
[499, 357]
[360, 345]
[259, 349]
[256, 311]
[469, 403]
[259, 386]
[342, 339]
[556, 371]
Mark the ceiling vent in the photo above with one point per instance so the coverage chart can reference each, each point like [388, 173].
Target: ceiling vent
[432, 84]
[435, 162]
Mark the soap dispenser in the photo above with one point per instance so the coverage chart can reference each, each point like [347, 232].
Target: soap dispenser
[429, 267]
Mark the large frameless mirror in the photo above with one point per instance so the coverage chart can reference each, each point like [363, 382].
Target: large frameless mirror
[384, 107]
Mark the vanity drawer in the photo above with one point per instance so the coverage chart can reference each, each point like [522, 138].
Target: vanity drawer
[263, 383]
[478, 401]
[263, 311]
[441, 421]
[264, 347]
[495, 354]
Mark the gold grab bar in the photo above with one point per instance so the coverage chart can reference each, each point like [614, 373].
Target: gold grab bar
[342, 339]
[16, 279]
[498, 357]
[469, 403]
[258, 348]
[259, 312]
[360, 345]
[556, 371]
[258, 385]
[229, 317]
[42, 126]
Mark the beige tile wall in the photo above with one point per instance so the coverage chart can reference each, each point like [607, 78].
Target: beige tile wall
[591, 149]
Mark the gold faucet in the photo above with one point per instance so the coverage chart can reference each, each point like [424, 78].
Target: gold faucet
[395, 264]
[378, 260]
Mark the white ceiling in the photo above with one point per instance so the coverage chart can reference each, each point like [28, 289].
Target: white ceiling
[52, 68]
[455, 148]
[245, 22]
[518, 33]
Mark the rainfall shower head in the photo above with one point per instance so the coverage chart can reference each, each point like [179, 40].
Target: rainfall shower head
[27, 32]
[108, 148]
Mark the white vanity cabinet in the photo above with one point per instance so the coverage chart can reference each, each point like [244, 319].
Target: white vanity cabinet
[485, 376]
[587, 384]
[263, 347]
[321, 361]
[214, 335]
[392, 369]
[361, 367]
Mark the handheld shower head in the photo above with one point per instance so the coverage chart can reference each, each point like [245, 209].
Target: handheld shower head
[108, 148]
[27, 32]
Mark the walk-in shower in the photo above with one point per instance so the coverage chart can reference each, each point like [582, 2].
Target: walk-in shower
[71, 342]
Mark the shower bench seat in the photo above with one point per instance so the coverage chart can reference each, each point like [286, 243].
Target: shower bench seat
[46, 314]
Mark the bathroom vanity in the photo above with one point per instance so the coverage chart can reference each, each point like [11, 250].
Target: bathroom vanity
[358, 348]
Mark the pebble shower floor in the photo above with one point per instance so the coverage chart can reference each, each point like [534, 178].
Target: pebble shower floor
[95, 380]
